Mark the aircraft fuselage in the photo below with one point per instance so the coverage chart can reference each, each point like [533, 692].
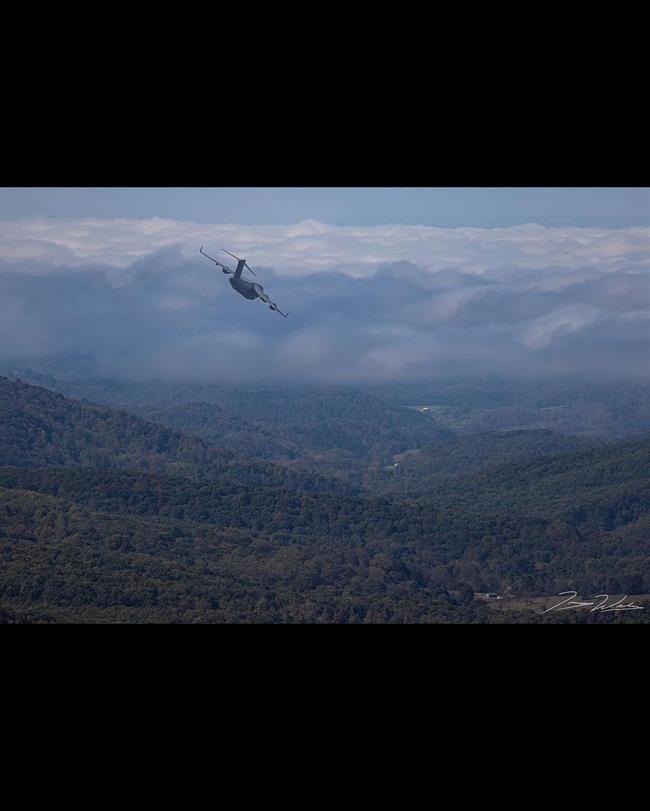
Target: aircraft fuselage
[247, 289]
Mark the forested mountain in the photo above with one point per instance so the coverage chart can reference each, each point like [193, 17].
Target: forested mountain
[604, 408]
[106, 517]
[417, 471]
[310, 419]
[325, 418]
[552, 483]
[220, 427]
[40, 427]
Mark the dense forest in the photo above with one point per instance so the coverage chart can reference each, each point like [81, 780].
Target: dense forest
[170, 502]
[41, 427]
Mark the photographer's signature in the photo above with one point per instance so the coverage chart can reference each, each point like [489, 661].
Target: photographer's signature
[571, 602]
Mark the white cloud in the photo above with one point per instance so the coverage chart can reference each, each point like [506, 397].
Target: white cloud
[377, 301]
[311, 246]
[539, 333]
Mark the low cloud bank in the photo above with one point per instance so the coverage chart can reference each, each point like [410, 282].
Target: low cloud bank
[384, 302]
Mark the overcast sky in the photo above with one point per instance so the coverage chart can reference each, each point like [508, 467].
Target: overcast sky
[380, 284]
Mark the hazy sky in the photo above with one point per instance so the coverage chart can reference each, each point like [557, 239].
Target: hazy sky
[445, 207]
[380, 283]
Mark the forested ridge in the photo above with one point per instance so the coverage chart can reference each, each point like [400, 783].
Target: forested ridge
[213, 423]
[107, 517]
[326, 419]
[419, 470]
[40, 427]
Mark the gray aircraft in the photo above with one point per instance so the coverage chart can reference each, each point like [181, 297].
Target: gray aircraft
[249, 290]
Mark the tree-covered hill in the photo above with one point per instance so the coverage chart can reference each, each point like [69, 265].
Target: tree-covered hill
[214, 424]
[417, 471]
[40, 427]
[553, 483]
[325, 418]
[306, 419]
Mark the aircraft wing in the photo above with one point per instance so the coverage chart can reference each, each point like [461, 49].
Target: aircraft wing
[212, 259]
[272, 304]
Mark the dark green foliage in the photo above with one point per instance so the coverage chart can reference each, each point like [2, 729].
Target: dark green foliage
[212, 423]
[418, 471]
[299, 419]
[105, 517]
[81, 565]
[40, 427]
[553, 483]
[322, 419]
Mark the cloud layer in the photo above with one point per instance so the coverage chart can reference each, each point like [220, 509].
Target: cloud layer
[381, 302]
